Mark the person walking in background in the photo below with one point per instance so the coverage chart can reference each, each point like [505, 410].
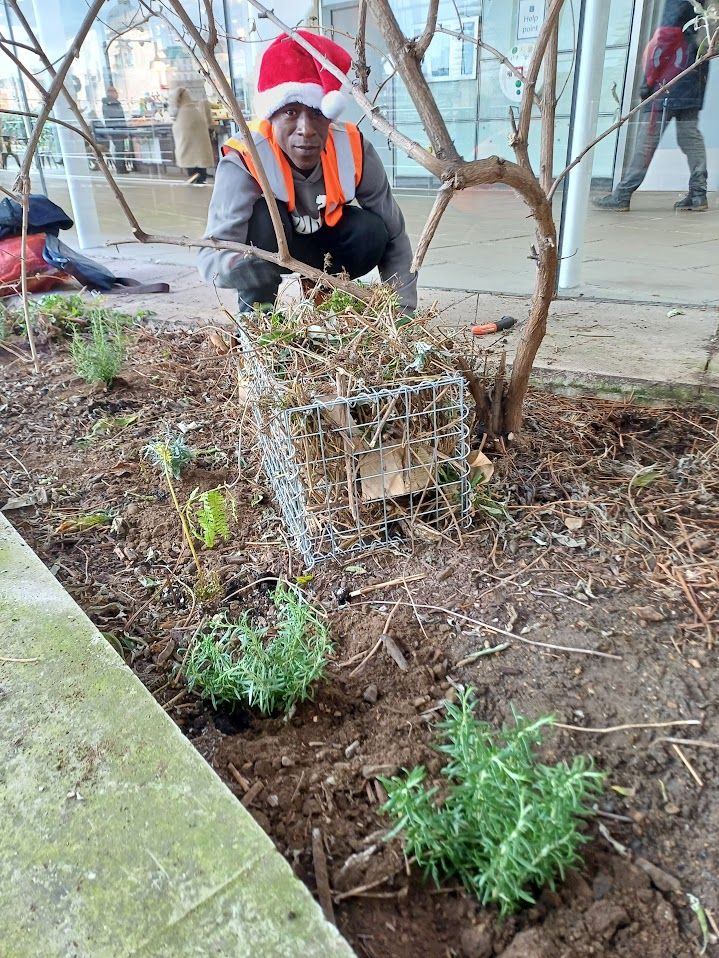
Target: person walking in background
[116, 126]
[669, 52]
[193, 148]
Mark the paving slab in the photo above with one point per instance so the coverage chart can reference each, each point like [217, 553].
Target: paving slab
[118, 840]
[607, 348]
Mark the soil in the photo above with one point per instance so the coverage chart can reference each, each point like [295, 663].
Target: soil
[606, 541]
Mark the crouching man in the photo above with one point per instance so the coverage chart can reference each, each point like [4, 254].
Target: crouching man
[316, 169]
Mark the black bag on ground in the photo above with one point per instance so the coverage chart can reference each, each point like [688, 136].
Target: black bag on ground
[47, 217]
[91, 274]
[43, 216]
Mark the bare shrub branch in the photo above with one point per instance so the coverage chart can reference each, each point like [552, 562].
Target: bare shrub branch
[421, 44]
[360, 46]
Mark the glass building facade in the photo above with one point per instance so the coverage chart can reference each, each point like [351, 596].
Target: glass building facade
[474, 90]
[484, 238]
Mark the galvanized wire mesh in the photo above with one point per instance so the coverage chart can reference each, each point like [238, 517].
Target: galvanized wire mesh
[358, 472]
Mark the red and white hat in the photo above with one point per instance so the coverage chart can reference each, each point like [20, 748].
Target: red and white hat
[290, 74]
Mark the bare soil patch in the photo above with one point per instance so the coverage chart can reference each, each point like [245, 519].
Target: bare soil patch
[605, 541]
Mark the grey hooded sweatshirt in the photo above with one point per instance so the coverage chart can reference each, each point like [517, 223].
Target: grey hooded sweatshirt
[236, 193]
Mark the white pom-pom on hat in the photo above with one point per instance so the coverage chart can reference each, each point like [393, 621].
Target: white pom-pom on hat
[334, 104]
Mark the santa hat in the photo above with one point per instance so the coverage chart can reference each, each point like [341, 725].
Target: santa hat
[290, 74]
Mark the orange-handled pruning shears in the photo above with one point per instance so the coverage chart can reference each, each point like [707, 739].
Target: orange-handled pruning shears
[506, 322]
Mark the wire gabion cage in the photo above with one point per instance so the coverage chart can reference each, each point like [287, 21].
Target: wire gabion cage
[366, 470]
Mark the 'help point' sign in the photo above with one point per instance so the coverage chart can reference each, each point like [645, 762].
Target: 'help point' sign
[531, 17]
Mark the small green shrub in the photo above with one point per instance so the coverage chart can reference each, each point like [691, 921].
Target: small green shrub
[171, 454]
[98, 357]
[63, 310]
[70, 312]
[338, 302]
[268, 669]
[504, 824]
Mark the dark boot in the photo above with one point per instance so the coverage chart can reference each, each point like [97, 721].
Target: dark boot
[611, 202]
[692, 203]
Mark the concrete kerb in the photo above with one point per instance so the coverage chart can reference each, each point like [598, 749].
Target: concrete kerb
[118, 840]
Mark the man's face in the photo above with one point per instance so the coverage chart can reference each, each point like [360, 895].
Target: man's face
[301, 133]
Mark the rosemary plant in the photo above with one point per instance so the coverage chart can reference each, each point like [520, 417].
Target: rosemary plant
[503, 824]
[268, 669]
[98, 357]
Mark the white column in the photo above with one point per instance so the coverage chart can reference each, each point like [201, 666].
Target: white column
[52, 33]
[592, 45]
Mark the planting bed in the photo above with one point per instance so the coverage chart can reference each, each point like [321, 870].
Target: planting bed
[598, 532]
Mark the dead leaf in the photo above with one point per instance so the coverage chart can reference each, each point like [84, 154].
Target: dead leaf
[19, 502]
[36, 497]
[395, 652]
[122, 469]
[116, 526]
[649, 613]
[569, 541]
[384, 475]
[480, 465]
[223, 341]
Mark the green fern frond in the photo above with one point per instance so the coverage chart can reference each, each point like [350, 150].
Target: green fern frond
[212, 518]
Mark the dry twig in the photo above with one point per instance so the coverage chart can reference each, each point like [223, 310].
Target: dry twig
[625, 728]
[688, 765]
[319, 861]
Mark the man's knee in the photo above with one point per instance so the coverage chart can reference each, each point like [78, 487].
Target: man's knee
[261, 230]
[373, 233]
[360, 241]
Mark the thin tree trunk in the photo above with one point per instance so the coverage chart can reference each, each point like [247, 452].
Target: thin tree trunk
[536, 326]
[441, 202]
[535, 65]
[549, 112]
[25, 201]
[360, 46]
[422, 42]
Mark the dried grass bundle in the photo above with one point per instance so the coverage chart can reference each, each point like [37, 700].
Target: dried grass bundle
[372, 344]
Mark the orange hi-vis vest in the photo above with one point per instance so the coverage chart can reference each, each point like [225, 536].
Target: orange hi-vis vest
[341, 166]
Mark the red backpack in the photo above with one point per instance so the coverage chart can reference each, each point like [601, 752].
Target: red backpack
[668, 54]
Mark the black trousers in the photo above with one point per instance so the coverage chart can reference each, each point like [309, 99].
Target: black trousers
[356, 245]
